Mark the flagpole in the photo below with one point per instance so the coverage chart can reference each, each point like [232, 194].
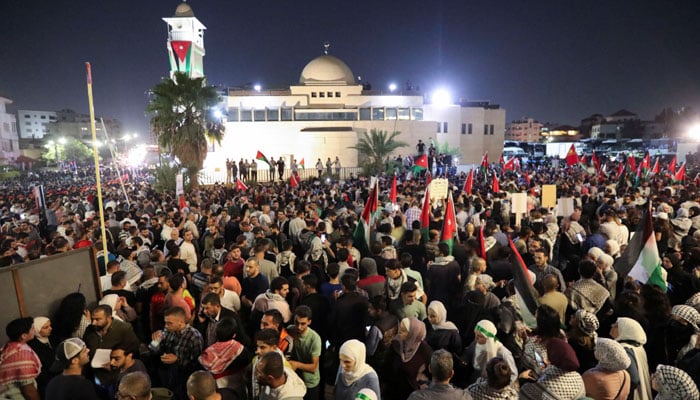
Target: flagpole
[98, 183]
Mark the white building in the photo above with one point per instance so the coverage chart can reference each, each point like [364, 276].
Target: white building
[327, 111]
[33, 124]
[185, 42]
[9, 139]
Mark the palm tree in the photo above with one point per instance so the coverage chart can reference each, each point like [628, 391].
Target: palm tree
[181, 120]
[376, 148]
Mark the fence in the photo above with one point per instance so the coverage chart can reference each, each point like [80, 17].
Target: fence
[263, 175]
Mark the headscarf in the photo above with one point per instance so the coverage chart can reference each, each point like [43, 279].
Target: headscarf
[441, 313]
[607, 260]
[416, 335]
[595, 252]
[562, 355]
[675, 384]
[355, 350]
[687, 313]
[588, 322]
[111, 300]
[611, 355]
[614, 247]
[630, 330]
[39, 323]
[488, 329]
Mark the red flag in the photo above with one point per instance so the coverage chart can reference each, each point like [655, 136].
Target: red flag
[527, 178]
[495, 186]
[632, 163]
[449, 225]
[571, 156]
[485, 162]
[655, 169]
[596, 162]
[293, 182]
[679, 176]
[500, 160]
[301, 164]
[240, 185]
[182, 202]
[421, 162]
[583, 160]
[181, 49]
[469, 183]
[509, 165]
[392, 196]
[672, 166]
[428, 178]
[260, 156]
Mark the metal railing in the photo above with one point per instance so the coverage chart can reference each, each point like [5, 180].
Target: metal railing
[264, 175]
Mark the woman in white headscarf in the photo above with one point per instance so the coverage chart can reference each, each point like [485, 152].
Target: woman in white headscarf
[354, 374]
[630, 334]
[444, 334]
[609, 379]
[43, 348]
[485, 347]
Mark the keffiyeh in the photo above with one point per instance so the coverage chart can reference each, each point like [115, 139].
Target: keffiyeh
[611, 355]
[588, 322]
[674, 384]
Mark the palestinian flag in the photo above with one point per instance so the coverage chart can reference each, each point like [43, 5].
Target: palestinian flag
[571, 156]
[392, 195]
[449, 225]
[509, 165]
[469, 183]
[420, 163]
[525, 293]
[495, 186]
[645, 165]
[647, 269]
[672, 166]
[679, 176]
[240, 185]
[301, 164]
[293, 182]
[261, 157]
[361, 235]
[425, 216]
[655, 168]
[583, 161]
[485, 163]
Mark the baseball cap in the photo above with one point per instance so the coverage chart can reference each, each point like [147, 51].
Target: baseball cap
[66, 351]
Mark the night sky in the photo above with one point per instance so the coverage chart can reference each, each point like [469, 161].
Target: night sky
[556, 61]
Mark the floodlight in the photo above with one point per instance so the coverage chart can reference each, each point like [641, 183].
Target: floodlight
[441, 97]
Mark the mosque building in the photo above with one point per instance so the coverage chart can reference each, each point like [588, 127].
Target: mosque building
[327, 111]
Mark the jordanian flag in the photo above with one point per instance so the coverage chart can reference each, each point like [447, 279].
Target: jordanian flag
[510, 164]
[420, 163]
[672, 166]
[655, 169]
[361, 235]
[485, 163]
[469, 183]
[240, 185]
[261, 157]
[679, 176]
[596, 162]
[647, 269]
[425, 216]
[449, 225]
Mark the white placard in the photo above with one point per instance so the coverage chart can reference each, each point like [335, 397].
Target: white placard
[518, 203]
[178, 185]
[565, 206]
[438, 189]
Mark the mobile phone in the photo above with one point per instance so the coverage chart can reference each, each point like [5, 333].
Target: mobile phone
[579, 237]
[323, 238]
[539, 360]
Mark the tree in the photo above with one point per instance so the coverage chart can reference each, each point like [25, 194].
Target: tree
[182, 121]
[376, 147]
[72, 150]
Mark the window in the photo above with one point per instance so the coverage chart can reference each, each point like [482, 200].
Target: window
[43, 117]
[418, 114]
[325, 116]
[404, 114]
[233, 114]
[322, 94]
[273, 114]
[27, 116]
[314, 94]
[438, 127]
[486, 129]
[444, 127]
[287, 114]
[378, 114]
[464, 129]
[330, 94]
[365, 114]
[259, 115]
[390, 113]
[28, 123]
[246, 115]
[491, 129]
[337, 94]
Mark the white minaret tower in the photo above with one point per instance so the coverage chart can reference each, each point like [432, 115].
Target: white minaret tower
[185, 42]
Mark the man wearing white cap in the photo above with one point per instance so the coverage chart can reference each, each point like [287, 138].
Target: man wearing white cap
[71, 356]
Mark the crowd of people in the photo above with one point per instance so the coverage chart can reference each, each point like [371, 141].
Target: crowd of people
[265, 293]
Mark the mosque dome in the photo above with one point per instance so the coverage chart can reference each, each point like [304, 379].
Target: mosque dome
[184, 10]
[326, 70]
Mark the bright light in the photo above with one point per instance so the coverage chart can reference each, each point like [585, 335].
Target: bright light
[392, 87]
[257, 87]
[694, 132]
[97, 143]
[62, 140]
[218, 114]
[136, 156]
[441, 97]
[126, 137]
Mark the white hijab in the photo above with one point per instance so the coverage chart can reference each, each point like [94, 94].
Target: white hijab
[441, 312]
[39, 323]
[355, 350]
[631, 336]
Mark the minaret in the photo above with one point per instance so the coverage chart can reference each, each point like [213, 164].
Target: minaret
[185, 42]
